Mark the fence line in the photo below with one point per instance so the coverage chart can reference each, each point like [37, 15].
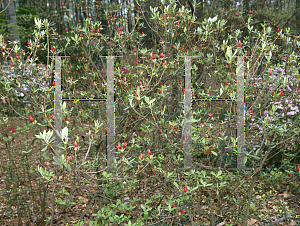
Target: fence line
[187, 128]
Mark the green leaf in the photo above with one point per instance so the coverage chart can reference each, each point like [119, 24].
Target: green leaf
[214, 153]
[176, 185]
[146, 215]
[106, 200]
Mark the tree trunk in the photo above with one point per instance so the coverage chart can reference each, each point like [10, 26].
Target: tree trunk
[11, 20]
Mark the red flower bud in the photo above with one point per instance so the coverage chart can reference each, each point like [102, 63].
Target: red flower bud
[53, 83]
[240, 44]
[185, 188]
[124, 79]
[134, 50]
[149, 152]
[298, 169]
[239, 9]
[273, 92]
[119, 146]
[153, 56]
[79, 21]
[159, 91]
[237, 14]
[183, 211]
[250, 12]
[278, 30]
[75, 144]
[290, 175]
[51, 116]
[161, 55]
[153, 173]
[30, 118]
[124, 145]
[270, 72]
[253, 92]
[173, 205]
[69, 119]
[269, 166]
[210, 115]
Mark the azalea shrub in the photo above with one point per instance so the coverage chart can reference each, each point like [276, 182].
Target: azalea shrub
[149, 182]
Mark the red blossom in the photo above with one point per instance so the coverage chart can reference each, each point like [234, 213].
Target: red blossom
[30, 118]
[250, 12]
[185, 188]
[183, 211]
[149, 152]
[119, 146]
[124, 145]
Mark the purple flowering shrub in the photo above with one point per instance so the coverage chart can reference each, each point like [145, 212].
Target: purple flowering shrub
[275, 108]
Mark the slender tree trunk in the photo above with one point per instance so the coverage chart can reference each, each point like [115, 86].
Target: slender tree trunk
[11, 20]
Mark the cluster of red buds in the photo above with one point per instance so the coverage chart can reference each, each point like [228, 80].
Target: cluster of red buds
[12, 129]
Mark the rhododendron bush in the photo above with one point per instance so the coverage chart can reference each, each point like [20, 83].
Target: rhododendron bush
[149, 182]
